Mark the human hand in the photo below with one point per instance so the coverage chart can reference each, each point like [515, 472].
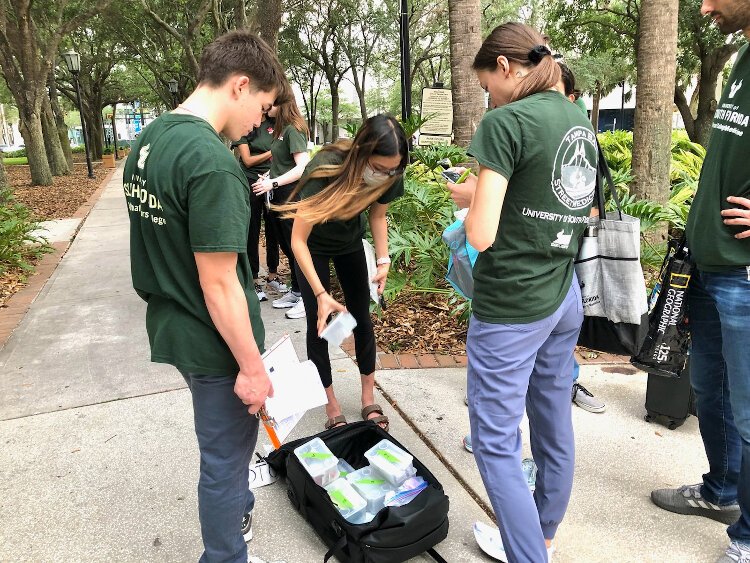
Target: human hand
[381, 277]
[253, 387]
[262, 186]
[463, 192]
[327, 305]
[738, 217]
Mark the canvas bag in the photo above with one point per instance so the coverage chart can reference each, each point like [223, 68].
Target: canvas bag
[608, 266]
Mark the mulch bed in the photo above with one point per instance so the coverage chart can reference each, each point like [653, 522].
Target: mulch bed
[13, 280]
[420, 324]
[60, 200]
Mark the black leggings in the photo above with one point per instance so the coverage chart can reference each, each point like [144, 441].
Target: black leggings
[351, 271]
[283, 231]
[258, 211]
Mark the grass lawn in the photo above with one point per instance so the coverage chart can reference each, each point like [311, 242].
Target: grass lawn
[15, 160]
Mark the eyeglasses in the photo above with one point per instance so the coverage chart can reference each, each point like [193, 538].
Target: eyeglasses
[386, 173]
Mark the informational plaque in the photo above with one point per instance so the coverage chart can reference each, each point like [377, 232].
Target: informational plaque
[437, 105]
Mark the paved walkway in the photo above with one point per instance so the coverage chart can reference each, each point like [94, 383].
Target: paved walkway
[99, 460]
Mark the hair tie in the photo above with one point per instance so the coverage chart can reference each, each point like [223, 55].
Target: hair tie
[538, 53]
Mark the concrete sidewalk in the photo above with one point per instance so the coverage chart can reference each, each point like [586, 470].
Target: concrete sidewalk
[99, 460]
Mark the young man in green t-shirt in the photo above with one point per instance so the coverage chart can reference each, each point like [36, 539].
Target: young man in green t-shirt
[189, 207]
[718, 234]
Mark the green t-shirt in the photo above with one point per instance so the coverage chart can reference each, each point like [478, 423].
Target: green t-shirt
[335, 238]
[186, 193]
[725, 173]
[581, 105]
[283, 150]
[259, 141]
[547, 150]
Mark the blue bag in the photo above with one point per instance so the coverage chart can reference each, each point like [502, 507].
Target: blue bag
[462, 258]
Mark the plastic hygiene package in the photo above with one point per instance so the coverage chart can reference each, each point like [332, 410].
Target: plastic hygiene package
[339, 328]
[344, 468]
[372, 486]
[318, 461]
[406, 492]
[349, 502]
[391, 462]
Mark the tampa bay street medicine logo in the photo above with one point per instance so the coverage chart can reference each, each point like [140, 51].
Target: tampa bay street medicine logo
[734, 88]
[143, 155]
[574, 177]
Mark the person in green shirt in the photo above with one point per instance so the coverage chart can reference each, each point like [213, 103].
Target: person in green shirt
[289, 157]
[254, 151]
[341, 182]
[718, 236]
[532, 199]
[189, 207]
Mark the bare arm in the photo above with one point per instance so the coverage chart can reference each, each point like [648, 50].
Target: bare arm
[326, 304]
[264, 185]
[227, 305]
[483, 219]
[379, 228]
[250, 160]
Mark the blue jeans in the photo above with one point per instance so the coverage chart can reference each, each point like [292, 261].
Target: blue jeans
[226, 439]
[512, 367]
[719, 305]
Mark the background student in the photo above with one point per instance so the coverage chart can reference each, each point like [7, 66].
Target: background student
[254, 150]
[289, 157]
[342, 182]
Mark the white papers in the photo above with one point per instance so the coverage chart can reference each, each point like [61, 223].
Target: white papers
[261, 474]
[296, 386]
[372, 269]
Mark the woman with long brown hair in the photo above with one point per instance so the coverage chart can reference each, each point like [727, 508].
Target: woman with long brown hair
[538, 160]
[341, 182]
[289, 157]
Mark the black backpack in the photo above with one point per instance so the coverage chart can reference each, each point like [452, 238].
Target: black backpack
[395, 534]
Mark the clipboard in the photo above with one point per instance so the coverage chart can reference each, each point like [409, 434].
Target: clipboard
[297, 389]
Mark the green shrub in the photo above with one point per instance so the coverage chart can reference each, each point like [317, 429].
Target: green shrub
[16, 160]
[14, 154]
[18, 244]
[78, 150]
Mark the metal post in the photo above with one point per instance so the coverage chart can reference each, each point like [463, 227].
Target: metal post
[622, 108]
[405, 61]
[83, 127]
[114, 129]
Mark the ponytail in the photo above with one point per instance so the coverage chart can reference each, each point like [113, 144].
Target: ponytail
[526, 46]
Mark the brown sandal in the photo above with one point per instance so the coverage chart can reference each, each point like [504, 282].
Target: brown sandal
[381, 420]
[335, 422]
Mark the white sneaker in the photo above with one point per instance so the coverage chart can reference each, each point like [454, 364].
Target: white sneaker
[260, 293]
[289, 300]
[296, 312]
[277, 285]
[736, 553]
[489, 540]
[586, 400]
[247, 526]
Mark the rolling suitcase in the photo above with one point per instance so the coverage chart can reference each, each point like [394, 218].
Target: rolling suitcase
[669, 400]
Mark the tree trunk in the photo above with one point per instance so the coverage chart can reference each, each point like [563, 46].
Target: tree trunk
[597, 98]
[269, 22]
[240, 14]
[657, 67]
[464, 21]
[57, 162]
[334, 112]
[31, 131]
[94, 130]
[59, 116]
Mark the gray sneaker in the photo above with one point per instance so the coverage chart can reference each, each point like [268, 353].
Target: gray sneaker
[586, 400]
[247, 526]
[736, 553]
[687, 500]
[286, 302]
[277, 285]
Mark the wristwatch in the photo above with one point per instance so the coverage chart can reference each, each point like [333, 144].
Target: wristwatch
[274, 184]
[383, 261]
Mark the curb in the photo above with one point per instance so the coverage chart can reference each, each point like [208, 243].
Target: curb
[386, 361]
[18, 304]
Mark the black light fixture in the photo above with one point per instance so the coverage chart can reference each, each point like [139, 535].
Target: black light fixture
[73, 62]
[172, 83]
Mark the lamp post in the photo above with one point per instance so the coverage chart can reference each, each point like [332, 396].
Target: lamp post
[172, 83]
[73, 62]
[405, 61]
